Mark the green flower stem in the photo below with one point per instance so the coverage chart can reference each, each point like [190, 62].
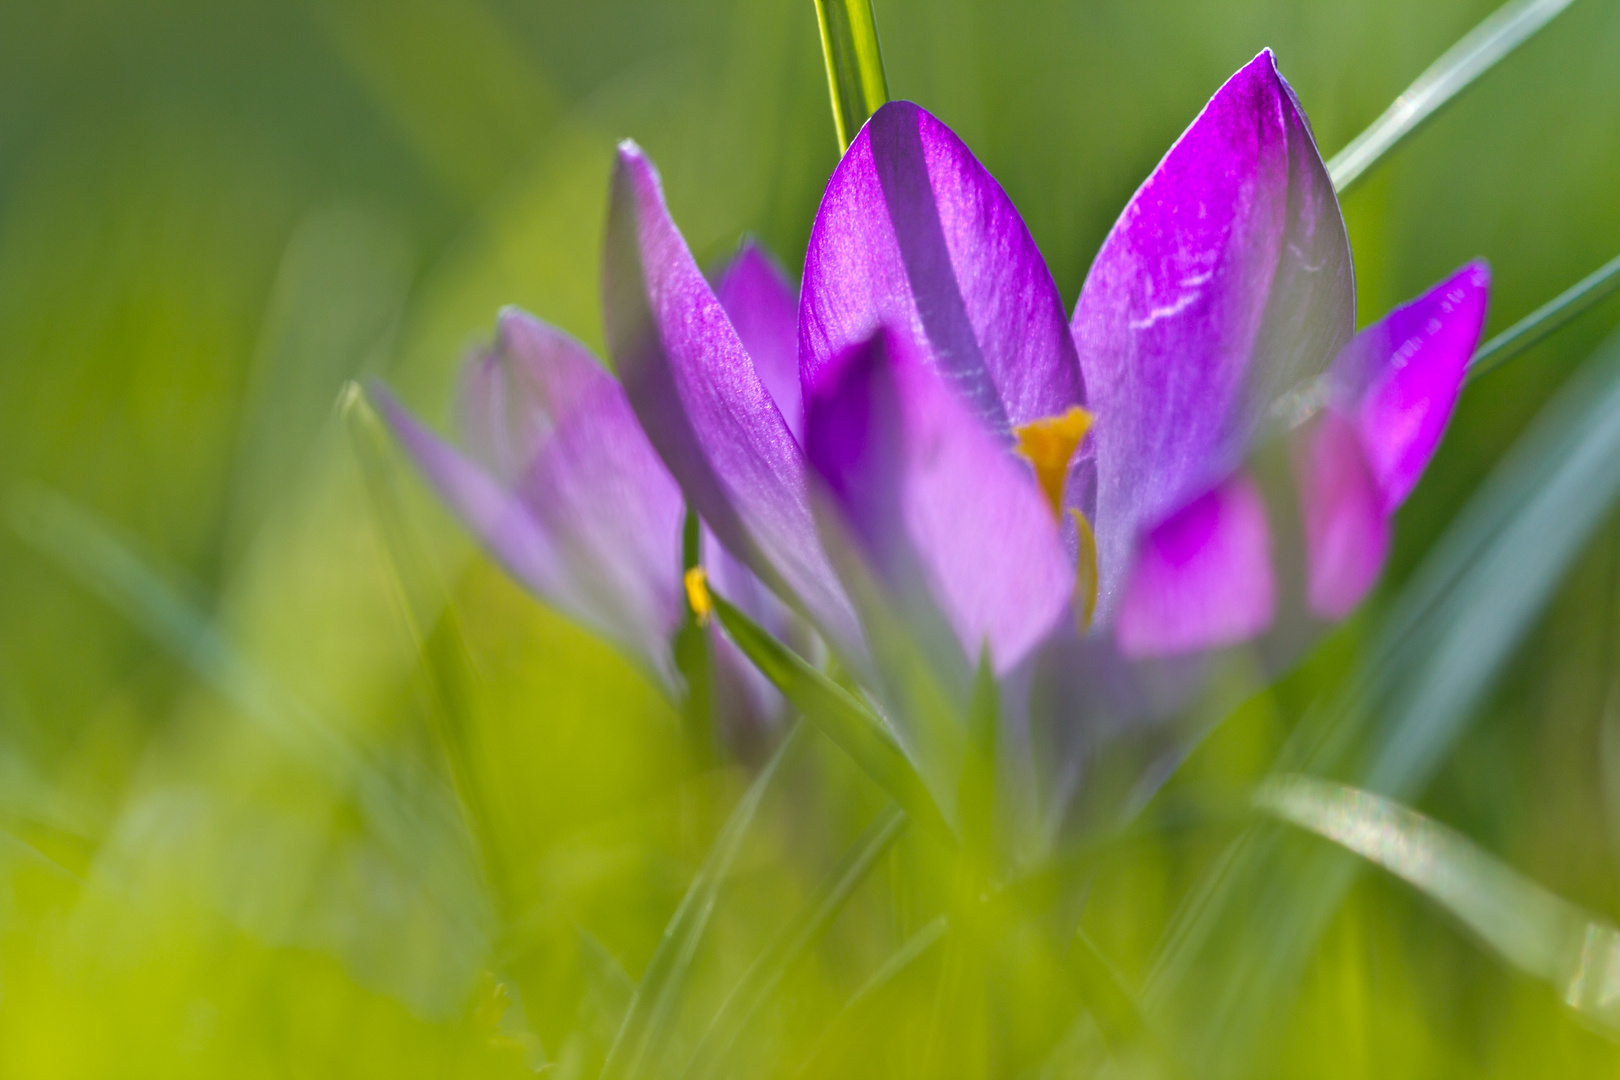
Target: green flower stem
[854, 64]
[1508, 27]
[1547, 319]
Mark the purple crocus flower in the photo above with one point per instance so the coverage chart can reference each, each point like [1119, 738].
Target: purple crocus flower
[562, 487]
[971, 459]
[1388, 397]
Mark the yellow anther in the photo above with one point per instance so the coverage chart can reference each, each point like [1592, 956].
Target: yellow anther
[1085, 572]
[1048, 444]
[697, 595]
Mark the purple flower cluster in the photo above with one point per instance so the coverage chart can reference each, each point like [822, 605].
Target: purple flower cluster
[923, 441]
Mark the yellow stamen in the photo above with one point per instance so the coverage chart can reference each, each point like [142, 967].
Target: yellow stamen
[1048, 444]
[697, 595]
[1085, 572]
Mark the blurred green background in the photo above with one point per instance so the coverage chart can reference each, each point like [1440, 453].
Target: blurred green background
[228, 842]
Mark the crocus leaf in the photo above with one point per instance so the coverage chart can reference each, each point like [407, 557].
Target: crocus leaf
[641, 1038]
[760, 981]
[1547, 319]
[1536, 931]
[855, 76]
[431, 618]
[856, 729]
[1504, 30]
[910, 951]
[975, 801]
[411, 820]
[613, 987]
[92, 553]
[1108, 997]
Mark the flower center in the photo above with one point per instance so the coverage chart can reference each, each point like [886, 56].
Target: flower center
[697, 594]
[1048, 444]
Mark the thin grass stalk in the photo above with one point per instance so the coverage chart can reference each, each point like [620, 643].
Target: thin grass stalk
[1547, 319]
[855, 78]
[1508, 27]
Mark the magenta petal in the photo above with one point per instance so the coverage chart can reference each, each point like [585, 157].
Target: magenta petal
[936, 504]
[1346, 524]
[914, 234]
[764, 309]
[703, 404]
[1203, 577]
[1226, 281]
[1401, 376]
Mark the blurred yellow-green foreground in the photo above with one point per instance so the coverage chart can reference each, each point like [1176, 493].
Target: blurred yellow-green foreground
[233, 841]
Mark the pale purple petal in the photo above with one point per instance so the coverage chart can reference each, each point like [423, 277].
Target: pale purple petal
[614, 516]
[1346, 523]
[914, 234]
[1203, 577]
[1226, 281]
[514, 391]
[702, 403]
[935, 502]
[764, 309]
[1401, 376]
[497, 517]
[593, 527]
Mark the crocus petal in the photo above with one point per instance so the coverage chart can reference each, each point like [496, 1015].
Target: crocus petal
[703, 404]
[936, 504]
[494, 515]
[1390, 394]
[592, 529]
[1226, 281]
[1346, 524]
[514, 392]
[1401, 377]
[764, 308]
[914, 234]
[1203, 577]
[614, 516]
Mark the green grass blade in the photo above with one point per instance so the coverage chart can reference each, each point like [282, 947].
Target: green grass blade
[1438, 650]
[1547, 319]
[449, 671]
[1536, 931]
[843, 719]
[613, 987]
[911, 950]
[1114, 1006]
[1508, 27]
[641, 1037]
[854, 64]
[766, 974]
[407, 817]
[975, 801]
[105, 564]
